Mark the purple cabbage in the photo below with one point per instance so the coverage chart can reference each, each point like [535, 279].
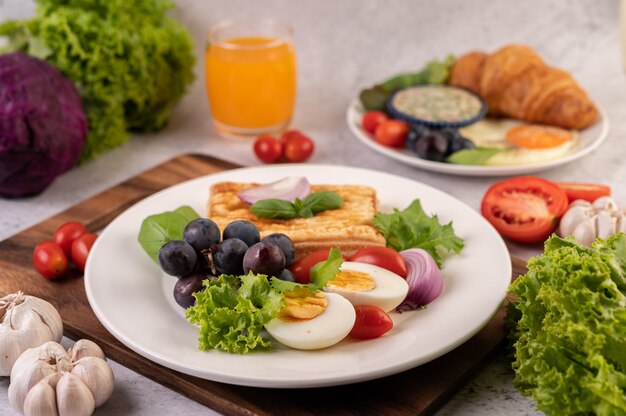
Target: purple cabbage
[42, 125]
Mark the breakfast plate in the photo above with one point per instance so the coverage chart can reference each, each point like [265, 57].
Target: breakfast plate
[590, 139]
[133, 298]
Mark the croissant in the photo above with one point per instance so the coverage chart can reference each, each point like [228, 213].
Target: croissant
[515, 82]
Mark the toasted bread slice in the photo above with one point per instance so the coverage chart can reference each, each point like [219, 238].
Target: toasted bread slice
[349, 227]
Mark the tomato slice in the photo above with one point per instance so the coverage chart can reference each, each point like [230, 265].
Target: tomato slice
[371, 322]
[384, 257]
[587, 191]
[525, 208]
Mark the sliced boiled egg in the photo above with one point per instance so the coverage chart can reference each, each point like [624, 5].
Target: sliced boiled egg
[366, 284]
[521, 143]
[312, 321]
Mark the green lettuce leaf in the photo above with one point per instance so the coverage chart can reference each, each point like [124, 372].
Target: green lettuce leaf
[413, 228]
[325, 271]
[568, 327]
[231, 311]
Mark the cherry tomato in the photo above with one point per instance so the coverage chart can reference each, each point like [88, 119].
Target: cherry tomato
[50, 260]
[288, 135]
[372, 119]
[268, 149]
[299, 148]
[81, 249]
[525, 208]
[384, 257]
[65, 235]
[371, 322]
[301, 268]
[587, 191]
[391, 133]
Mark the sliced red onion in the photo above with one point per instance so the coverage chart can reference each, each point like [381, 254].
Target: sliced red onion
[288, 188]
[424, 279]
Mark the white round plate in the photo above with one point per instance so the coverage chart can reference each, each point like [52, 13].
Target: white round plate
[590, 139]
[133, 298]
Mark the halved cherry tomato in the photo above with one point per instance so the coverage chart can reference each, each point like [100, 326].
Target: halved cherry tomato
[67, 233]
[525, 208]
[372, 119]
[587, 191]
[384, 257]
[81, 249]
[50, 260]
[301, 268]
[371, 322]
[391, 133]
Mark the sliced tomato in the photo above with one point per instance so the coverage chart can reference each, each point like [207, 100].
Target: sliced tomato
[525, 208]
[371, 322]
[587, 191]
[301, 268]
[384, 257]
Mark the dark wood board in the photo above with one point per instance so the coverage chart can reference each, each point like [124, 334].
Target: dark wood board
[418, 391]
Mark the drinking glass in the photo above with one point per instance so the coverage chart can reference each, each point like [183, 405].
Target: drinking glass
[250, 68]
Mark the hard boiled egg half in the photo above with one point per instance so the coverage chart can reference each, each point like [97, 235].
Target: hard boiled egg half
[311, 321]
[366, 284]
[520, 143]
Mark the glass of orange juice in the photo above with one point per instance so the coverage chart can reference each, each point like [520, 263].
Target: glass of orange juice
[250, 68]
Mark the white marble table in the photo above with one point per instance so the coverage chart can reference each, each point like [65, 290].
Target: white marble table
[341, 47]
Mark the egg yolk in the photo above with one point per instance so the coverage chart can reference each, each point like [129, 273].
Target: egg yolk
[537, 137]
[353, 280]
[302, 306]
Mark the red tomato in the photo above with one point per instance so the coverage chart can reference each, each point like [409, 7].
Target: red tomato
[299, 148]
[81, 249]
[384, 257]
[50, 260]
[525, 208]
[268, 149]
[391, 133]
[371, 322]
[301, 268]
[65, 235]
[372, 119]
[587, 191]
[288, 135]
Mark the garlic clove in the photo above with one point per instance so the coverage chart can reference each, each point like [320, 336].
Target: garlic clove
[31, 367]
[25, 322]
[73, 397]
[580, 203]
[85, 348]
[97, 376]
[621, 222]
[606, 224]
[585, 232]
[605, 203]
[41, 399]
[572, 218]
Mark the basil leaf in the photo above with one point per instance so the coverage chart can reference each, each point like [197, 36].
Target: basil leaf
[478, 156]
[325, 271]
[305, 212]
[323, 200]
[298, 204]
[159, 229]
[274, 208]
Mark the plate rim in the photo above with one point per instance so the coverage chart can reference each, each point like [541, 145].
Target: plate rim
[355, 107]
[260, 381]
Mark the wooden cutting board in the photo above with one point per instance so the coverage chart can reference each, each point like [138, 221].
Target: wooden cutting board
[418, 391]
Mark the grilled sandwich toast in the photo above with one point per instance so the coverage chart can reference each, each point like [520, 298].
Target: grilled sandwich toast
[349, 227]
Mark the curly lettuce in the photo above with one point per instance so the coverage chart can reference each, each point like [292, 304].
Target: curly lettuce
[130, 61]
[231, 311]
[568, 327]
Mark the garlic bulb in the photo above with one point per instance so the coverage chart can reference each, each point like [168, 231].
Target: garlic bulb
[586, 221]
[51, 381]
[25, 322]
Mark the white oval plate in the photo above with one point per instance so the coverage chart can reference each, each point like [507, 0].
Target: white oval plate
[133, 299]
[591, 138]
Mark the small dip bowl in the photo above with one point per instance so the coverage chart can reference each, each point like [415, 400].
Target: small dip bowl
[437, 106]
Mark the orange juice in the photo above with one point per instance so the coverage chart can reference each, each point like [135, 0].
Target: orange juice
[251, 83]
